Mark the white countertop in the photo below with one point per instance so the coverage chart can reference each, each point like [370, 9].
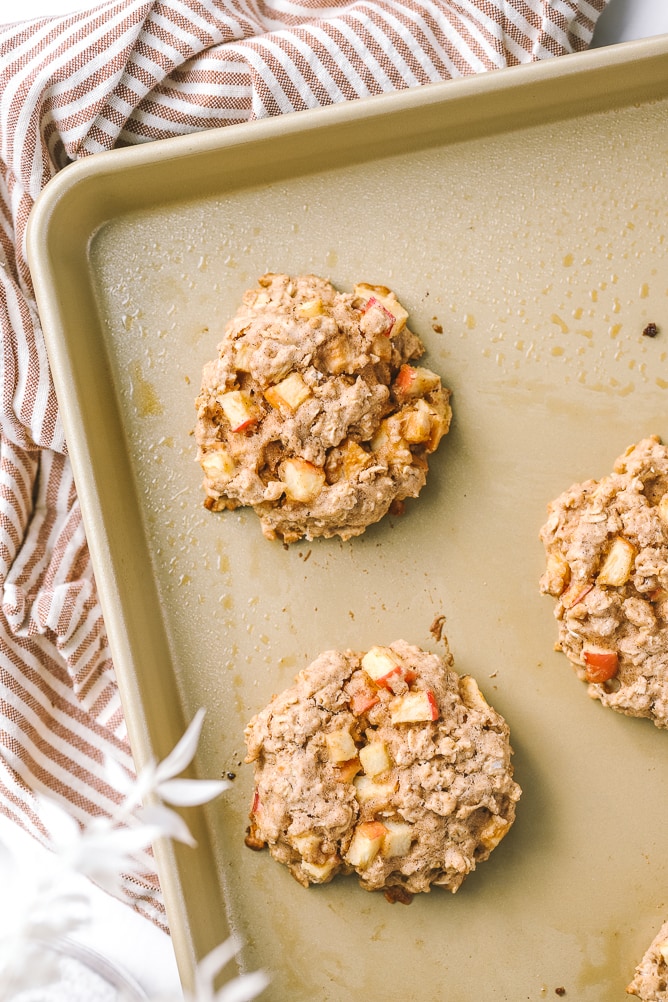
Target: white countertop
[123, 937]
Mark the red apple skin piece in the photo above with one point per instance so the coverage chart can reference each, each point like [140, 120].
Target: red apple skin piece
[435, 712]
[431, 707]
[372, 829]
[245, 425]
[405, 378]
[255, 806]
[397, 674]
[600, 666]
[361, 702]
[390, 316]
[346, 771]
[574, 594]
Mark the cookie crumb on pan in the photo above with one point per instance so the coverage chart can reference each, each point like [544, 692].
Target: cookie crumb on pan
[314, 413]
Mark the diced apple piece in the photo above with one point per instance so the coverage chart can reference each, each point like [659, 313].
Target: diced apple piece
[414, 707]
[415, 381]
[239, 409]
[423, 424]
[440, 426]
[364, 291]
[318, 872]
[303, 481]
[243, 355]
[218, 466]
[493, 832]
[381, 347]
[366, 790]
[341, 746]
[375, 758]
[471, 694]
[307, 843]
[362, 701]
[335, 356]
[600, 665]
[346, 771]
[376, 319]
[662, 509]
[365, 844]
[398, 840]
[355, 459]
[310, 308]
[389, 443]
[386, 668]
[380, 661]
[575, 593]
[557, 574]
[381, 438]
[617, 566]
[416, 422]
[289, 393]
[387, 299]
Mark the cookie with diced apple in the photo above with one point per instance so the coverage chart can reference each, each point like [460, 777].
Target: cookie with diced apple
[606, 545]
[384, 763]
[315, 412]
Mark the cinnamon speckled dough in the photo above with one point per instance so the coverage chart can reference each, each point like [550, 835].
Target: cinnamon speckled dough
[606, 543]
[311, 413]
[650, 981]
[385, 763]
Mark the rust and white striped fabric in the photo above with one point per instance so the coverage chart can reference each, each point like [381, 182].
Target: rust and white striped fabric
[133, 71]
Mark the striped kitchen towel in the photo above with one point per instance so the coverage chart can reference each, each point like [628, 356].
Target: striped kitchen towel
[132, 71]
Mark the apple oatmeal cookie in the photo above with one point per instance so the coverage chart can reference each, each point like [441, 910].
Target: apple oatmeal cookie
[606, 545]
[384, 763]
[650, 981]
[314, 413]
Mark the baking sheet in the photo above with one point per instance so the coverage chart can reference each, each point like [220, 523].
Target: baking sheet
[520, 217]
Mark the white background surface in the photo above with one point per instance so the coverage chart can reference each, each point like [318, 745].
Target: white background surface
[116, 932]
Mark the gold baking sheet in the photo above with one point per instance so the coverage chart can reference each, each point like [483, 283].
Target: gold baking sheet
[521, 218]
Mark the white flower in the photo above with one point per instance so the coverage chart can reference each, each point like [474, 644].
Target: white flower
[243, 988]
[39, 907]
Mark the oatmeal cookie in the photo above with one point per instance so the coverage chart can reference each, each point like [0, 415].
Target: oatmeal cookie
[384, 763]
[606, 545]
[650, 981]
[313, 413]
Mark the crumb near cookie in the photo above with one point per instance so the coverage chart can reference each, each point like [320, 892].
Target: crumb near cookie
[606, 546]
[383, 763]
[315, 412]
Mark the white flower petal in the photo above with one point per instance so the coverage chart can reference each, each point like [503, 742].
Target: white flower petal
[244, 988]
[118, 777]
[112, 852]
[62, 827]
[191, 792]
[110, 881]
[170, 824]
[210, 965]
[184, 751]
[144, 783]
[121, 841]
